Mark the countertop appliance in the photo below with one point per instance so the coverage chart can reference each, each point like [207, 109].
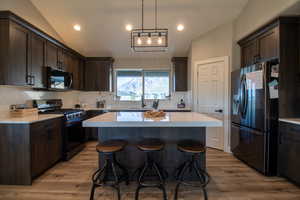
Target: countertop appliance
[59, 80]
[73, 134]
[254, 115]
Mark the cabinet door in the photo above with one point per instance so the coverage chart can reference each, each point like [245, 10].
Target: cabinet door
[289, 150]
[53, 129]
[18, 49]
[91, 76]
[39, 149]
[75, 72]
[51, 55]
[61, 59]
[81, 74]
[180, 74]
[98, 75]
[269, 44]
[73, 67]
[103, 76]
[249, 53]
[46, 145]
[37, 64]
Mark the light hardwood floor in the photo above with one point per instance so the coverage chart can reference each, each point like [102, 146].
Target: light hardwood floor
[231, 180]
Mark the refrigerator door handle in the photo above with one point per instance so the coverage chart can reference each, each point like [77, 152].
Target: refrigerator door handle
[243, 96]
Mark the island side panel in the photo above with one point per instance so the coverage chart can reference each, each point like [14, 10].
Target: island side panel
[170, 158]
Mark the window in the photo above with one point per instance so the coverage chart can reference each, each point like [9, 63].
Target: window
[131, 85]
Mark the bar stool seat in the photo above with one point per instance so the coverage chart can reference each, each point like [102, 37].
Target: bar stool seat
[190, 146]
[151, 145]
[193, 149]
[100, 178]
[111, 146]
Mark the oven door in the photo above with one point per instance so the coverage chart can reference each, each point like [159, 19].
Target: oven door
[248, 145]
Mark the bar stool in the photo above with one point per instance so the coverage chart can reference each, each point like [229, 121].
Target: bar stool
[151, 146]
[193, 149]
[100, 178]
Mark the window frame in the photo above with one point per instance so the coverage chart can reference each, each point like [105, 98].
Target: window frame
[143, 82]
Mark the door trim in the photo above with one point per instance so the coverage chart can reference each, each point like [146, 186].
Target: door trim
[227, 86]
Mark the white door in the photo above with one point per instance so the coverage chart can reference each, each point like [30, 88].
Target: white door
[210, 97]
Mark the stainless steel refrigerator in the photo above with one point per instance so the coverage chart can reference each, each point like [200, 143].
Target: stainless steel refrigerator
[254, 115]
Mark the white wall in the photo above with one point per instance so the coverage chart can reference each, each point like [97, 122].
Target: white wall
[26, 10]
[216, 43]
[143, 63]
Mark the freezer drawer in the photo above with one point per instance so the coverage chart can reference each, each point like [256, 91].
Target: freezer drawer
[249, 146]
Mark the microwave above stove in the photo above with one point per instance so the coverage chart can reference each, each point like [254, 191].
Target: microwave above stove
[59, 80]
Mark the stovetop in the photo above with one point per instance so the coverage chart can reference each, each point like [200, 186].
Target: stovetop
[65, 111]
[54, 106]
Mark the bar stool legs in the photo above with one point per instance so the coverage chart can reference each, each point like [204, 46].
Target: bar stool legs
[150, 164]
[112, 166]
[201, 174]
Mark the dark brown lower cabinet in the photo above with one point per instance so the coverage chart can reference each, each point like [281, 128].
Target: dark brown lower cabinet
[289, 151]
[27, 150]
[92, 133]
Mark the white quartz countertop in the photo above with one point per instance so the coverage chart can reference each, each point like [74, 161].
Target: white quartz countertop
[28, 119]
[137, 119]
[290, 120]
[108, 108]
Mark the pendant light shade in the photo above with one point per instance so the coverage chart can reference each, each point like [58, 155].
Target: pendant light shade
[149, 40]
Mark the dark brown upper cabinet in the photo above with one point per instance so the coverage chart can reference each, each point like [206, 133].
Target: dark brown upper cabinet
[36, 67]
[51, 55]
[268, 44]
[98, 74]
[13, 53]
[180, 73]
[261, 46]
[72, 66]
[25, 60]
[25, 51]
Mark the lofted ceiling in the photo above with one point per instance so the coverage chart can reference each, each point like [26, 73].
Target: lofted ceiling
[103, 22]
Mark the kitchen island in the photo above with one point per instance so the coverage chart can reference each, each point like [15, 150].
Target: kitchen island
[134, 127]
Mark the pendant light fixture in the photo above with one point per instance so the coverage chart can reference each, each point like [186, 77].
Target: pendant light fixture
[149, 40]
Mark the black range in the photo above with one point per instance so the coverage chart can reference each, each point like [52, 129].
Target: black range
[73, 134]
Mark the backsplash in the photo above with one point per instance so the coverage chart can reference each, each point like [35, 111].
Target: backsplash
[20, 95]
[90, 98]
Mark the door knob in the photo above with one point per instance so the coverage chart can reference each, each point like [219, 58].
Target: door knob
[219, 111]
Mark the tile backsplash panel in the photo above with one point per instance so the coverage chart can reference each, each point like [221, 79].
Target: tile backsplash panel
[90, 99]
[20, 95]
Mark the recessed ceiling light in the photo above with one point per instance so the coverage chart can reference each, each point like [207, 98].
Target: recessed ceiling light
[128, 27]
[180, 27]
[77, 27]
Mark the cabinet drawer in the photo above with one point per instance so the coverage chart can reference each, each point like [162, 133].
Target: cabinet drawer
[289, 133]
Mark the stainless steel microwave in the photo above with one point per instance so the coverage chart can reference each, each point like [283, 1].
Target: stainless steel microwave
[59, 80]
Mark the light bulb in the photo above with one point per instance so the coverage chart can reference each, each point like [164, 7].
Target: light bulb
[128, 27]
[77, 27]
[159, 41]
[149, 41]
[180, 27]
[139, 41]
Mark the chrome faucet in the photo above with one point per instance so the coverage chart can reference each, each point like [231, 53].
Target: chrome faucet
[143, 102]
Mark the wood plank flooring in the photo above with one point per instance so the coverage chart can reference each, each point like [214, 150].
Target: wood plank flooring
[231, 180]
